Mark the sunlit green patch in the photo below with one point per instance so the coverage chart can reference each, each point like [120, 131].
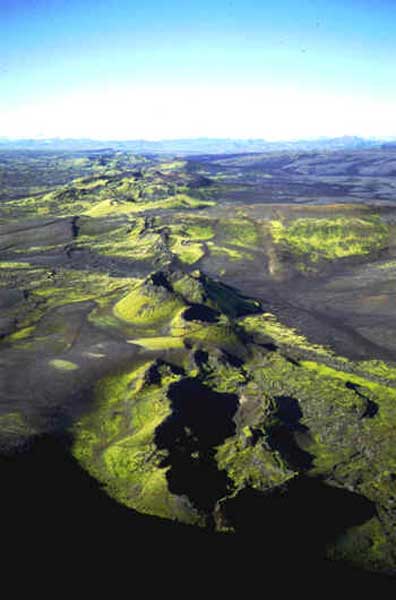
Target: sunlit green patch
[126, 189]
[63, 365]
[230, 253]
[109, 207]
[21, 334]
[147, 306]
[326, 371]
[379, 368]
[185, 240]
[90, 183]
[14, 265]
[358, 452]
[94, 355]
[319, 395]
[221, 334]
[104, 318]
[130, 239]
[190, 288]
[390, 264]
[331, 239]
[114, 207]
[268, 325]
[223, 377]
[38, 248]
[199, 232]
[62, 201]
[188, 252]
[172, 166]
[79, 286]
[115, 443]
[248, 464]
[240, 232]
[159, 343]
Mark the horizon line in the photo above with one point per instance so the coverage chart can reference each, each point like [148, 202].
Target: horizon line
[39, 138]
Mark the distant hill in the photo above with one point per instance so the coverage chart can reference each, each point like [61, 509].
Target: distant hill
[191, 146]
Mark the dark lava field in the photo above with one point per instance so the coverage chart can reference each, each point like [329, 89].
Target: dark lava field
[201, 350]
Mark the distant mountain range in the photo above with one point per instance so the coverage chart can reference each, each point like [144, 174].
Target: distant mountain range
[193, 146]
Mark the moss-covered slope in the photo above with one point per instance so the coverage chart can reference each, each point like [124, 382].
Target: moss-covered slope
[289, 409]
[197, 342]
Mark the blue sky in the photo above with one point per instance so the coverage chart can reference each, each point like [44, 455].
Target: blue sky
[228, 68]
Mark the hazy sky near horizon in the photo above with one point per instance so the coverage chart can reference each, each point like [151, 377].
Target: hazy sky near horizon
[122, 69]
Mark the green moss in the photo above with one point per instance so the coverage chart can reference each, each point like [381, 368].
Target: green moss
[221, 375]
[240, 232]
[159, 343]
[327, 406]
[325, 371]
[63, 365]
[391, 264]
[358, 453]
[369, 373]
[331, 239]
[173, 165]
[21, 334]
[110, 207]
[268, 325]
[128, 238]
[227, 299]
[67, 200]
[144, 306]
[188, 252]
[190, 288]
[185, 239]
[37, 248]
[199, 232]
[90, 184]
[220, 335]
[379, 368]
[248, 464]
[116, 443]
[14, 265]
[114, 207]
[230, 253]
[71, 286]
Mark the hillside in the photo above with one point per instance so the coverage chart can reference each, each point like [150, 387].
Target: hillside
[213, 334]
